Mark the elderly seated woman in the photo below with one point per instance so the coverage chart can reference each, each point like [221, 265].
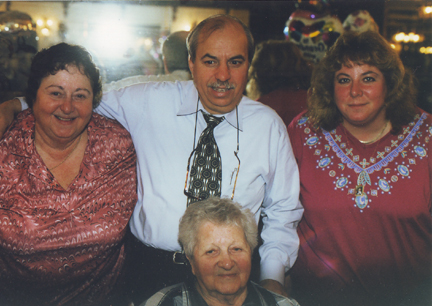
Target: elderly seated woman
[218, 237]
[67, 189]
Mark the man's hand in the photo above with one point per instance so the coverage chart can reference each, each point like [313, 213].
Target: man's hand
[274, 286]
[8, 110]
[288, 284]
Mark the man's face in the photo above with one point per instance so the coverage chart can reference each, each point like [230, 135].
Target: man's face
[220, 68]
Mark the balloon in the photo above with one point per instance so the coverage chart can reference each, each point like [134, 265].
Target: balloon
[313, 32]
[360, 21]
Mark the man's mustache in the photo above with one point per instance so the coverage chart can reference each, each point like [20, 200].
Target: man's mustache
[220, 84]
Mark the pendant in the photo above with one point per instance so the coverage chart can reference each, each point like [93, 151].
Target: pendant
[361, 198]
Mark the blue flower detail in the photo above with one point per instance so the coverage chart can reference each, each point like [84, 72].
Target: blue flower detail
[384, 185]
[341, 182]
[302, 120]
[361, 201]
[312, 141]
[403, 170]
[324, 162]
[420, 151]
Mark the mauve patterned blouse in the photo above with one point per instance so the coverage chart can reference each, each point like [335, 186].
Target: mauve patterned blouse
[64, 246]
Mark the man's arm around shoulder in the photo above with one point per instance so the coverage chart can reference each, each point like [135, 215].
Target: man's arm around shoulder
[274, 286]
[8, 110]
[281, 211]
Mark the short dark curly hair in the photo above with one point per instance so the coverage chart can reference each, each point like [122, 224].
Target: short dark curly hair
[59, 57]
[361, 48]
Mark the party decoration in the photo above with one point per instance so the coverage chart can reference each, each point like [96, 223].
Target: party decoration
[313, 32]
[360, 21]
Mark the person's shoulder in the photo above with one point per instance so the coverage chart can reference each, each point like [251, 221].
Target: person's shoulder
[181, 75]
[138, 86]
[422, 120]
[254, 107]
[269, 295]
[299, 121]
[167, 296]
[24, 117]
[259, 112]
[109, 132]
[21, 126]
[166, 91]
[145, 79]
[106, 124]
[166, 84]
[424, 114]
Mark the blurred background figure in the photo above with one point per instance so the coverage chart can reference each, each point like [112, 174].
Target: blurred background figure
[175, 55]
[175, 59]
[218, 237]
[279, 77]
[18, 44]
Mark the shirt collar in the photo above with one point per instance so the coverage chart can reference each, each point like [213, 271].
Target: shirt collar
[181, 74]
[189, 107]
[252, 297]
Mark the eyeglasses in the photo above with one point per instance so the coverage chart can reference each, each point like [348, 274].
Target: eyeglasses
[199, 197]
[179, 258]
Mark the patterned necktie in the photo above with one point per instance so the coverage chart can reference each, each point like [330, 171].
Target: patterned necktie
[206, 171]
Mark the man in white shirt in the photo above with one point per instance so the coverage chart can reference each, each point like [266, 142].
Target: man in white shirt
[166, 119]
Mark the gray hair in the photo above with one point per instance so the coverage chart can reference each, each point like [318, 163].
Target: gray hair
[218, 211]
[211, 24]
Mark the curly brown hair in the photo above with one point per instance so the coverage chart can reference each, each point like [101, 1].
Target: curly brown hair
[361, 48]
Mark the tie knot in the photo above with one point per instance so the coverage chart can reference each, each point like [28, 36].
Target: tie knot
[212, 120]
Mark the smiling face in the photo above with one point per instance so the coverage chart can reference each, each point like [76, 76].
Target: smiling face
[359, 92]
[221, 261]
[63, 105]
[220, 68]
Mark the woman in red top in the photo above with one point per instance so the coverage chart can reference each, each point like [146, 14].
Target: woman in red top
[364, 155]
[68, 189]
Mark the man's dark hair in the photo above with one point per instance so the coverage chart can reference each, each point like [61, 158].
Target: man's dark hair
[211, 24]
